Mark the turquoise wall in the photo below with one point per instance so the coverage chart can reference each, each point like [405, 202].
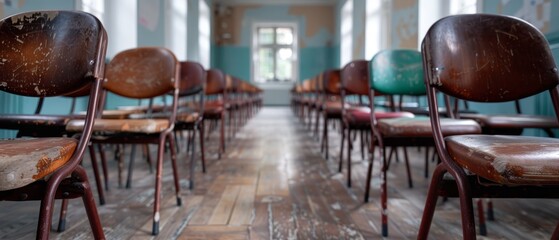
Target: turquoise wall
[155, 36]
[315, 52]
[234, 60]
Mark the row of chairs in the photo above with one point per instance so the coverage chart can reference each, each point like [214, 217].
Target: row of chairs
[480, 58]
[61, 53]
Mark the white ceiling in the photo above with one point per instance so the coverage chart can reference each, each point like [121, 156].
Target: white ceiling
[276, 2]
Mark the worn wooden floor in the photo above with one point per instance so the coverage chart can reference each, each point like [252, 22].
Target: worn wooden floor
[273, 183]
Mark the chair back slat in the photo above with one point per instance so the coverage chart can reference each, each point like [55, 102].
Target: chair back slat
[193, 78]
[397, 72]
[142, 72]
[489, 58]
[355, 77]
[50, 53]
[332, 81]
[215, 82]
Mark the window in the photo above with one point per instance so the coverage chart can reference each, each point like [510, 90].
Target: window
[430, 11]
[346, 46]
[274, 53]
[463, 7]
[204, 33]
[176, 28]
[377, 26]
[95, 7]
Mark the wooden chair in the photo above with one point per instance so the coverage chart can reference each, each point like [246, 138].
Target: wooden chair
[489, 58]
[215, 109]
[190, 115]
[331, 106]
[356, 116]
[50, 53]
[400, 72]
[142, 73]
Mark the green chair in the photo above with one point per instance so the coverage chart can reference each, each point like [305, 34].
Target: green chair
[400, 72]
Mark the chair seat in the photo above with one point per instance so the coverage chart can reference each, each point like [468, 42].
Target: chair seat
[213, 103]
[361, 116]
[213, 112]
[441, 111]
[421, 127]
[187, 117]
[26, 160]
[122, 125]
[33, 121]
[513, 121]
[507, 159]
[115, 114]
[333, 109]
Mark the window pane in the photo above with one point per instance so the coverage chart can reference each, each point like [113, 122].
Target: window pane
[265, 64]
[284, 64]
[284, 36]
[265, 36]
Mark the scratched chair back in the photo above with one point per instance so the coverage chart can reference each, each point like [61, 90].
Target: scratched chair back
[489, 58]
[35, 52]
[502, 59]
[142, 73]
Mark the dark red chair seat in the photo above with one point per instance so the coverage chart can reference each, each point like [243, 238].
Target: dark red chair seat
[513, 121]
[421, 127]
[506, 160]
[361, 116]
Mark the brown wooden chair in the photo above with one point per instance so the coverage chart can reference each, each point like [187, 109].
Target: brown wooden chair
[489, 58]
[142, 73]
[356, 116]
[331, 106]
[190, 115]
[50, 53]
[215, 108]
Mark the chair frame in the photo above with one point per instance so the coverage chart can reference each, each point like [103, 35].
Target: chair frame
[69, 24]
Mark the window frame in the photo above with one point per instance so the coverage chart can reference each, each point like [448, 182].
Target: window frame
[256, 46]
[346, 33]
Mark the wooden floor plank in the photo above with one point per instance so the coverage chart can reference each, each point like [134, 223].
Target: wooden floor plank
[273, 183]
[243, 211]
[224, 209]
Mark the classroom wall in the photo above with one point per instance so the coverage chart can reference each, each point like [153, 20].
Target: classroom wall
[315, 35]
[540, 14]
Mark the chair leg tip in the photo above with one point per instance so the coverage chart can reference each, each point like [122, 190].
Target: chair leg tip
[482, 230]
[61, 225]
[385, 230]
[179, 201]
[155, 228]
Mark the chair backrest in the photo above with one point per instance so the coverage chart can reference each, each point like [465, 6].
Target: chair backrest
[215, 82]
[192, 78]
[488, 58]
[231, 84]
[332, 81]
[355, 78]
[397, 72]
[144, 72]
[50, 53]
